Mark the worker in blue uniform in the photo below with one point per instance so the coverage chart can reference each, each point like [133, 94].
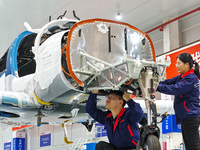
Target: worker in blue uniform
[185, 88]
[121, 123]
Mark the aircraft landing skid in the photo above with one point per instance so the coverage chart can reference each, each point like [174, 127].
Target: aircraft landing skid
[149, 131]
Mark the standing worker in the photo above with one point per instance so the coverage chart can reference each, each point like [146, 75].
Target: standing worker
[121, 123]
[185, 88]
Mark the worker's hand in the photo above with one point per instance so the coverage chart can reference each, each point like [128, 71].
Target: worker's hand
[127, 96]
[95, 91]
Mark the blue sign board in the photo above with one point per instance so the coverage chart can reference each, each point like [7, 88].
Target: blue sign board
[7, 146]
[169, 125]
[18, 143]
[100, 131]
[45, 140]
[89, 146]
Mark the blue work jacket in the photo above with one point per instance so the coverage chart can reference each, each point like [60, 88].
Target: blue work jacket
[185, 88]
[122, 131]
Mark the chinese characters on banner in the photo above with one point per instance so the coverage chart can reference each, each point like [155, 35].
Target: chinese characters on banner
[193, 49]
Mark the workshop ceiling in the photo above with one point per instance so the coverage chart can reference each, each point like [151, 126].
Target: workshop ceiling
[143, 14]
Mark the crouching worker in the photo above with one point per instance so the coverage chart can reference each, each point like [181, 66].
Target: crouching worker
[121, 123]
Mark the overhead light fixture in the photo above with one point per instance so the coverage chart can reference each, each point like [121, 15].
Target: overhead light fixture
[118, 17]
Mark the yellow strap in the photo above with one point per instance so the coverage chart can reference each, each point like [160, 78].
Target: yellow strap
[65, 138]
[40, 101]
[66, 141]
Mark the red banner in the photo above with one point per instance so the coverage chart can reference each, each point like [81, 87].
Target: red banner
[21, 127]
[193, 49]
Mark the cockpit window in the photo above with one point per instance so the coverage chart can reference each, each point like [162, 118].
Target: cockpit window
[25, 57]
[55, 29]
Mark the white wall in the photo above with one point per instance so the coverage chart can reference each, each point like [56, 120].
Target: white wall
[5, 135]
[189, 28]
